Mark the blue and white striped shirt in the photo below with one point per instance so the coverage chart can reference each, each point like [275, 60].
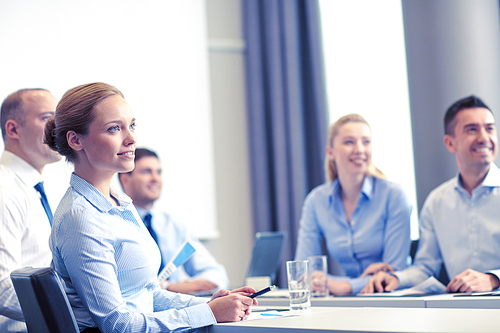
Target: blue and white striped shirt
[109, 263]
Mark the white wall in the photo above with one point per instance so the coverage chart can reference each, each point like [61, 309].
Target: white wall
[364, 52]
[146, 62]
[229, 112]
[155, 52]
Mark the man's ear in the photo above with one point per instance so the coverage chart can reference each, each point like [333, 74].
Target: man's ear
[449, 142]
[11, 129]
[74, 140]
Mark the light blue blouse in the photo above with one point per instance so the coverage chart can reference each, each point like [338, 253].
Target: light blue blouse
[109, 262]
[379, 230]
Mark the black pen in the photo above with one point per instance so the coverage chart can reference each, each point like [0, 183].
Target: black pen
[262, 292]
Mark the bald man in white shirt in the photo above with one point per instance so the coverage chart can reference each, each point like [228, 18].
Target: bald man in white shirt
[25, 217]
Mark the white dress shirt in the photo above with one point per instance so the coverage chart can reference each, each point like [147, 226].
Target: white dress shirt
[24, 232]
[457, 229]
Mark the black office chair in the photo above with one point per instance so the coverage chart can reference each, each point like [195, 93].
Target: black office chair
[443, 274]
[44, 303]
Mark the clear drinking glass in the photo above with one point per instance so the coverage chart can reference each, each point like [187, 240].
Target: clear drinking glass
[298, 284]
[318, 271]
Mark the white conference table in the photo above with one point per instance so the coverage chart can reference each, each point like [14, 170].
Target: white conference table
[376, 319]
[461, 301]
[431, 301]
[354, 301]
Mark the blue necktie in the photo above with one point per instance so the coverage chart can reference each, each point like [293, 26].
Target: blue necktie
[147, 223]
[45, 202]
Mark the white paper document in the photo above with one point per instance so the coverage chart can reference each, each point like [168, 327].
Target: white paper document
[429, 286]
[185, 252]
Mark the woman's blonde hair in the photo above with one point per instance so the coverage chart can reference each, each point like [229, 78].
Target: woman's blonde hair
[330, 167]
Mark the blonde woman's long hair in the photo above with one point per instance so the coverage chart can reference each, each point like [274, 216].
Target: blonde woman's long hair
[330, 167]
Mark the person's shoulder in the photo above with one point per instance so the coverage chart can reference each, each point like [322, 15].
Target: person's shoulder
[166, 219]
[324, 189]
[4, 169]
[493, 177]
[444, 191]
[76, 215]
[444, 188]
[391, 193]
[12, 189]
[320, 196]
[8, 177]
[159, 212]
[74, 205]
[385, 183]
[388, 187]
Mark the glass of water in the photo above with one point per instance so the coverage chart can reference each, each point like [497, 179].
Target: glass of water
[297, 272]
[318, 271]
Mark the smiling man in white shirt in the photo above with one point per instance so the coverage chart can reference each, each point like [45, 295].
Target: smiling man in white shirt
[203, 274]
[459, 224]
[25, 219]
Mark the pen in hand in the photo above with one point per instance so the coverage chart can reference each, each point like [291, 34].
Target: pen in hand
[262, 292]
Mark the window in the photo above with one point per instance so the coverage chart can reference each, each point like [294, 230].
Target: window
[366, 73]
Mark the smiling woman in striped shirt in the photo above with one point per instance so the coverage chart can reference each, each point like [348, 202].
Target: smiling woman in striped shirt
[100, 247]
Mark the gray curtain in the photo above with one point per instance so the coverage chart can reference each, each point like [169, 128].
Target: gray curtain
[288, 114]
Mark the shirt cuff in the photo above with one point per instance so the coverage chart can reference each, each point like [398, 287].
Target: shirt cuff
[164, 284]
[200, 315]
[410, 277]
[358, 284]
[495, 272]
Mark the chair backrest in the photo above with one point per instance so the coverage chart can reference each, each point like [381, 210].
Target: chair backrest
[44, 303]
[443, 273]
[266, 254]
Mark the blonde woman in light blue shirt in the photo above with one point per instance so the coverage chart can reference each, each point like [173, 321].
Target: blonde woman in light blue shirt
[363, 218]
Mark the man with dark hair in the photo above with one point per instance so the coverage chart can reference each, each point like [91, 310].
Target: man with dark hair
[464, 103]
[25, 215]
[144, 185]
[459, 223]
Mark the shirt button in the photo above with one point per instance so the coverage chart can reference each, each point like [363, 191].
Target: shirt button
[349, 242]
[475, 253]
[353, 223]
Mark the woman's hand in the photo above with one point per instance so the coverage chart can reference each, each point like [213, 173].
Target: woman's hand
[318, 281]
[377, 267]
[232, 305]
[244, 291]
